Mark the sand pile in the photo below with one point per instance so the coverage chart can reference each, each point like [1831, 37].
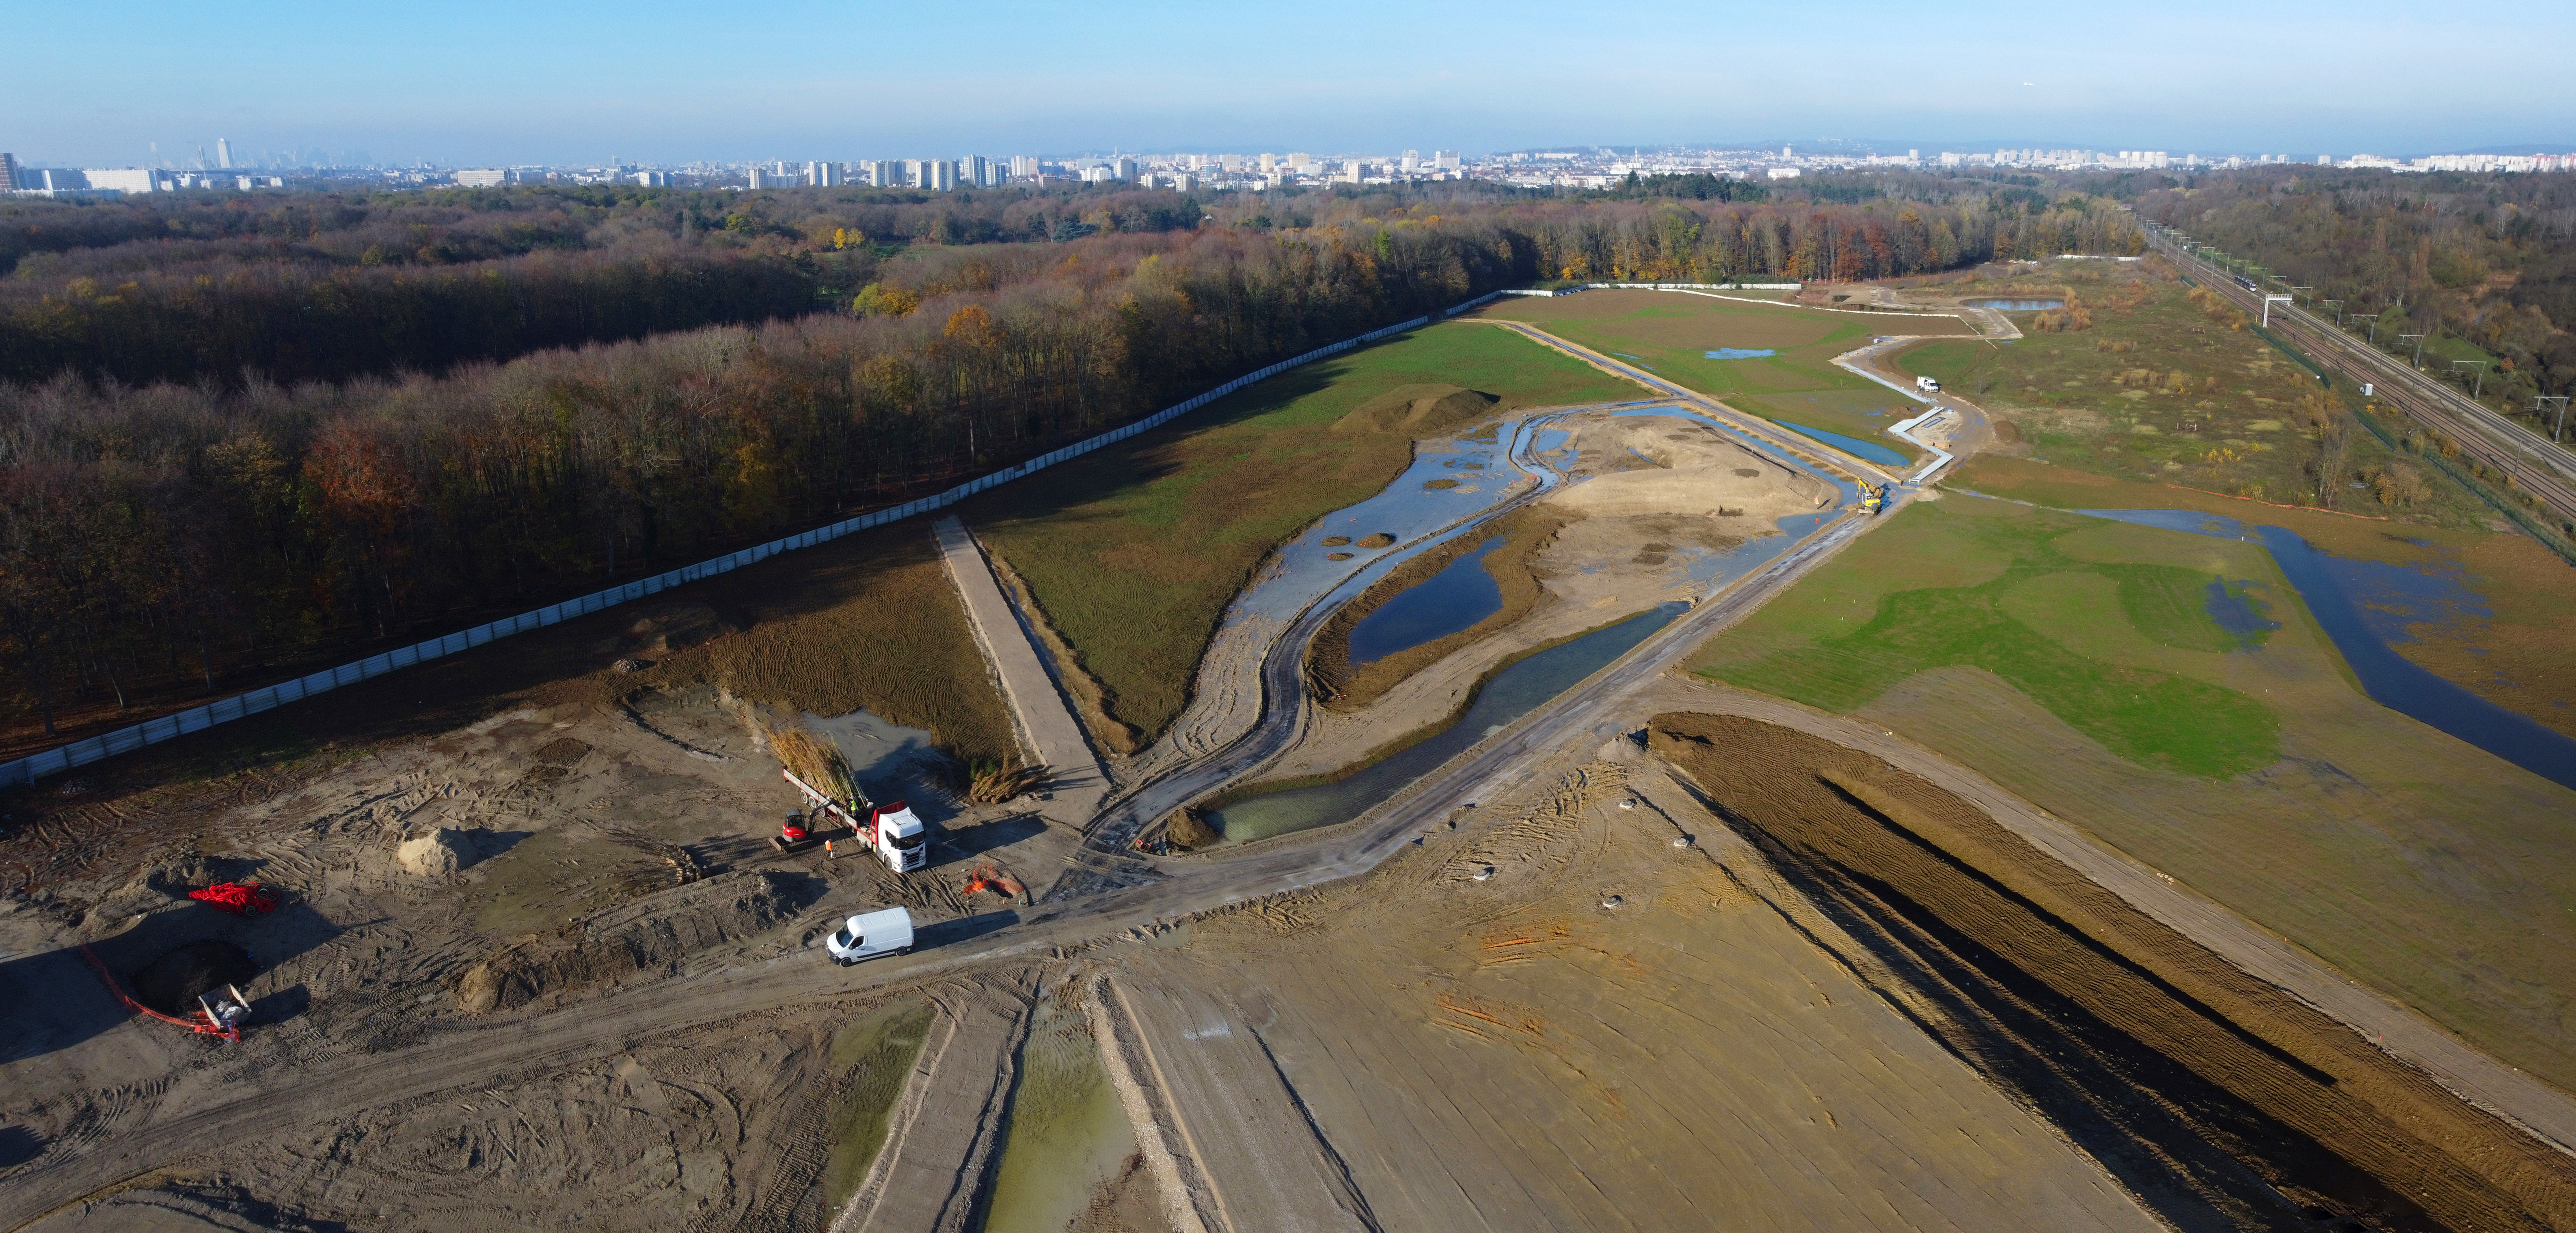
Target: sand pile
[438, 854]
[654, 932]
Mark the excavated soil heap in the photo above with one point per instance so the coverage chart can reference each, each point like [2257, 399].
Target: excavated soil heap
[2199, 1086]
[654, 932]
[171, 983]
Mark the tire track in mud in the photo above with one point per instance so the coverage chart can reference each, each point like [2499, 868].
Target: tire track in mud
[2211, 1092]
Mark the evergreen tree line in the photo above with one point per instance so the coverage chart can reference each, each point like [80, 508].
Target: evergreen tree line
[162, 542]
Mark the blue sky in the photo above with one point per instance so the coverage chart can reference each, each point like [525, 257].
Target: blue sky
[481, 81]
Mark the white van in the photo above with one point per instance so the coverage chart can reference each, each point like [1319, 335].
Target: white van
[870, 934]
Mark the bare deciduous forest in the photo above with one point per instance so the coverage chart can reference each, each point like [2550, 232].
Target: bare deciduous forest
[2489, 260]
[241, 435]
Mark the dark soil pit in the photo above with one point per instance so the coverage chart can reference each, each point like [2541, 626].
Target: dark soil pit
[172, 983]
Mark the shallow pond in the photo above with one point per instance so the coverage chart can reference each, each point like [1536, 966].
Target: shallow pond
[2014, 306]
[1854, 446]
[1461, 594]
[1414, 514]
[2354, 602]
[1740, 353]
[1512, 693]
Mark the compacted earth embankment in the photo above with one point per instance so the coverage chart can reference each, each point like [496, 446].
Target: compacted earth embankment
[2200, 1087]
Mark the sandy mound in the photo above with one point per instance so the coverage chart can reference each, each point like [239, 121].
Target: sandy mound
[1417, 410]
[171, 983]
[653, 932]
[438, 854]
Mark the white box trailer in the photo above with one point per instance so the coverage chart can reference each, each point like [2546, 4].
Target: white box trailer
[893, 832]
[1927, 385]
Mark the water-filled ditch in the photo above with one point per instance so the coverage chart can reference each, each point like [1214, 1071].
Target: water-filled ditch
[2365, 605]
[2014, 306]
[1510, 694]
[1869, 450]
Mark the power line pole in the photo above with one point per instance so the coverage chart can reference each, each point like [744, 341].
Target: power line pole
[2481, 366]
[2373, 319]
[2418, 340]
[2561, 400]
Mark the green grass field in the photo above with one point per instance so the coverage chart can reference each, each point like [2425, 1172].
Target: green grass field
[1670, 334]
[1134, 552]
[2071, 661]
[2006, 597]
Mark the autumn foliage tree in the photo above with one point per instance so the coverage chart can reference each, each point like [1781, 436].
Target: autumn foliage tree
[175, 538]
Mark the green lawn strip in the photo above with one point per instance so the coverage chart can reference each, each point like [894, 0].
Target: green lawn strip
[876, 1051]
[1134, 551]
[2149, 715]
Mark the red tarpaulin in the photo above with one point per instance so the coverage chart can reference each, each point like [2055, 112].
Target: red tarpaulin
[238, 898]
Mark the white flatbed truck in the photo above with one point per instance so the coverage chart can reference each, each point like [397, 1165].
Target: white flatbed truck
[893, 832]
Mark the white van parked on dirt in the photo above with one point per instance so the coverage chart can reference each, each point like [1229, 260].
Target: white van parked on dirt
[870, 934]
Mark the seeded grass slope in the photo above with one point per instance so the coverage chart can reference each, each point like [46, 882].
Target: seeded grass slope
[2415, 862]
[1134, 551]
[1670, 333]
[2009, 596]
[869, 622]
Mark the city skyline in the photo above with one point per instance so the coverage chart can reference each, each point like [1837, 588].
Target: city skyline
[664, 83]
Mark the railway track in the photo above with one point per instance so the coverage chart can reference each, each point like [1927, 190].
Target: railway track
[2530, 462]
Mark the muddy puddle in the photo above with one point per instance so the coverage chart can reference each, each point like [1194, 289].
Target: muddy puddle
[875, 1053]
[1461, 594]
[1510, 694]
[2014, 306]
[2364, 606]
[880, 753]
[1066, 1137]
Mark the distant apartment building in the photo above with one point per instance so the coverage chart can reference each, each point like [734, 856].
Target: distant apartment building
[8, 173]
[482, 177]
[1025, 167]
[763, 177]
[122, 180]
[1445, 160]
[1784, 173]
[224, 153]
[939, 175]
[653, 179]
[822, 175]
[976, 170]
[883, 173]
[1123, 169]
